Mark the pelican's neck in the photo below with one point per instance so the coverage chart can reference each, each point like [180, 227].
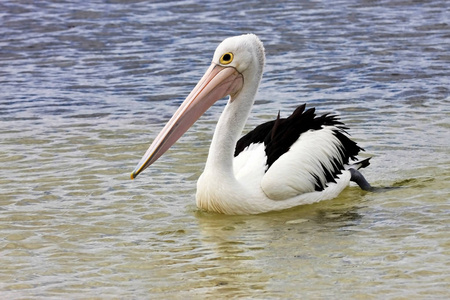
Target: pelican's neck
[232, 121]
[229, 128]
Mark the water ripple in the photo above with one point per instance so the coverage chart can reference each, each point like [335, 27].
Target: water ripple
[86, 86]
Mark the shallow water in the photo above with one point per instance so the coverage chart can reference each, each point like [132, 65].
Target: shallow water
[86, 86]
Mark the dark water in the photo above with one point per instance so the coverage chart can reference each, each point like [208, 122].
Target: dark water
[85, 86]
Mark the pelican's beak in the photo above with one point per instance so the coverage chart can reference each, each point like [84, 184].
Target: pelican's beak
[217, 83]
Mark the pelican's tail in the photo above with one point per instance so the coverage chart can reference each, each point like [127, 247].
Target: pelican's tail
[361, 164]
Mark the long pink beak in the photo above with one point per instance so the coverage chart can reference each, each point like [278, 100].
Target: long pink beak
[217, 83]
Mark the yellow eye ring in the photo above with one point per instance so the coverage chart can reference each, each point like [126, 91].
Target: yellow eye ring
[227, 58]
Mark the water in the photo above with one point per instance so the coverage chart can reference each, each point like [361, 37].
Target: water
[86, 86]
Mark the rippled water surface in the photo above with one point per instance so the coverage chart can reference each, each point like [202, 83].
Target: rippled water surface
[86, 85]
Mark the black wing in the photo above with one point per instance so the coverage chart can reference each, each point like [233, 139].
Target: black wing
[279, 135]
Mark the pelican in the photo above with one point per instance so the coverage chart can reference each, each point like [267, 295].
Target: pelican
[281, 164]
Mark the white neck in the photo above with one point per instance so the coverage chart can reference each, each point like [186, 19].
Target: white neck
[230, 126]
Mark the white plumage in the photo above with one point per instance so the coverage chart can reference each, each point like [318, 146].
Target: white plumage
[281, 164]
[292, 173]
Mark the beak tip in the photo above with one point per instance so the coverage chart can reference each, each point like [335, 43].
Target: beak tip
[133, 176]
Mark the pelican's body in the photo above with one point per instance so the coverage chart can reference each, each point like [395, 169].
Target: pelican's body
[281, 164]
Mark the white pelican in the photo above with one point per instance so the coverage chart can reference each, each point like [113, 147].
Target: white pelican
[280, 164]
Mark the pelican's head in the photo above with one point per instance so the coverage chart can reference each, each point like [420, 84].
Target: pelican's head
[245, 53]
[237, 62]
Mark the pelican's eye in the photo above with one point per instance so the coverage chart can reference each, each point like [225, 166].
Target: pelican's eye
[226, 58]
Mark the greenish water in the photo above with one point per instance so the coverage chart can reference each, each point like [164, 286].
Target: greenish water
[85, 87]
